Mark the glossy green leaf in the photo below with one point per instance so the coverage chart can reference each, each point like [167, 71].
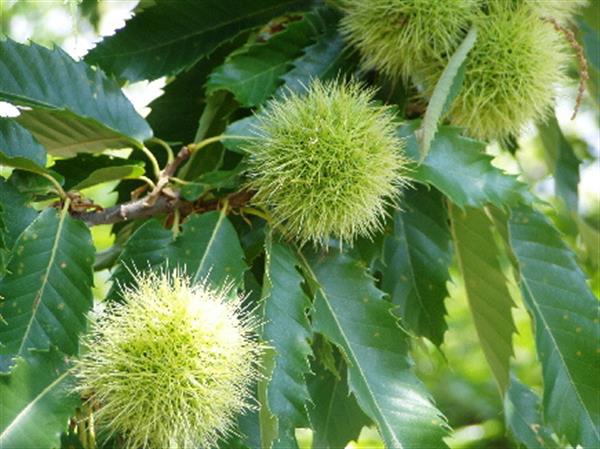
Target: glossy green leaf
[565, 315]
[17, 142]
[335, 415]
[458, 167]
[562, 162]
[322, 60]
[353, 314]
[286, 329]
[445, 91]
[522, 411]
[87, 170]
[208, 247]
[37, 401]
[17, 214]
[90, 115]
[416, 256]
[486, 288]
[175, 34]
[145, 249]
[245, 127]
[48, 290]
[253, 72]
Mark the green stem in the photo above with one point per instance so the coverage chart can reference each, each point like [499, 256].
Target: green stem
[194, 147]
[59, 190]
[166, 146]
[153, 161]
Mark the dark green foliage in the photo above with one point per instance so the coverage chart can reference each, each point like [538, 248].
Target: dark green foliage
[348, 329]
[565, 314]
[17, 142]
[414, 268]
[37, 400]
[48, 289]
[174, 35]
[92, 114]
[336, 417]
[286, 329]
[351, 312]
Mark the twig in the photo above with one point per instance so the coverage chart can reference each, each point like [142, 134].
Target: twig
[128, 211]
[584, 74]
[163, 205]
[165, 176]
[161, 200]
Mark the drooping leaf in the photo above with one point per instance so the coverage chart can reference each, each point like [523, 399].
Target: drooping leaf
[458, 167]
[565, 315]
[335, 415]
[175, 34]
[48, 289]
[17, 142]
[322, 60]
[208, 247]
[522, 411]
[73, 107]
[352, 313]
[486, 288]
[415, 264]
[64, 133]
[253, 72]
[87, 170]
[37, 401]
[446, 89]
[562, 161]
[144, 250]
[17, 214]
[286, 329]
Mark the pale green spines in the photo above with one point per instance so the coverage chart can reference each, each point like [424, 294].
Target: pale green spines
[398, 37]
[561, 10]
[326, 164]
[511, 73]
[171, 366]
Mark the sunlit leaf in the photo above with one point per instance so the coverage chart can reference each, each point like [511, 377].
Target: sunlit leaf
[565, 314]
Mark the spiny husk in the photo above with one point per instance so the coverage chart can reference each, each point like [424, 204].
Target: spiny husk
[511, 74]
[398, 37]
[561, 10]
[327, 163]
[171, 366]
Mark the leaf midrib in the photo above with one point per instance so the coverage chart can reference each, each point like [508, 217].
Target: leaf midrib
[29, 406]
[413, 278]
[382, 419]
[210, 243]
[560, 355]
[38, 298]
